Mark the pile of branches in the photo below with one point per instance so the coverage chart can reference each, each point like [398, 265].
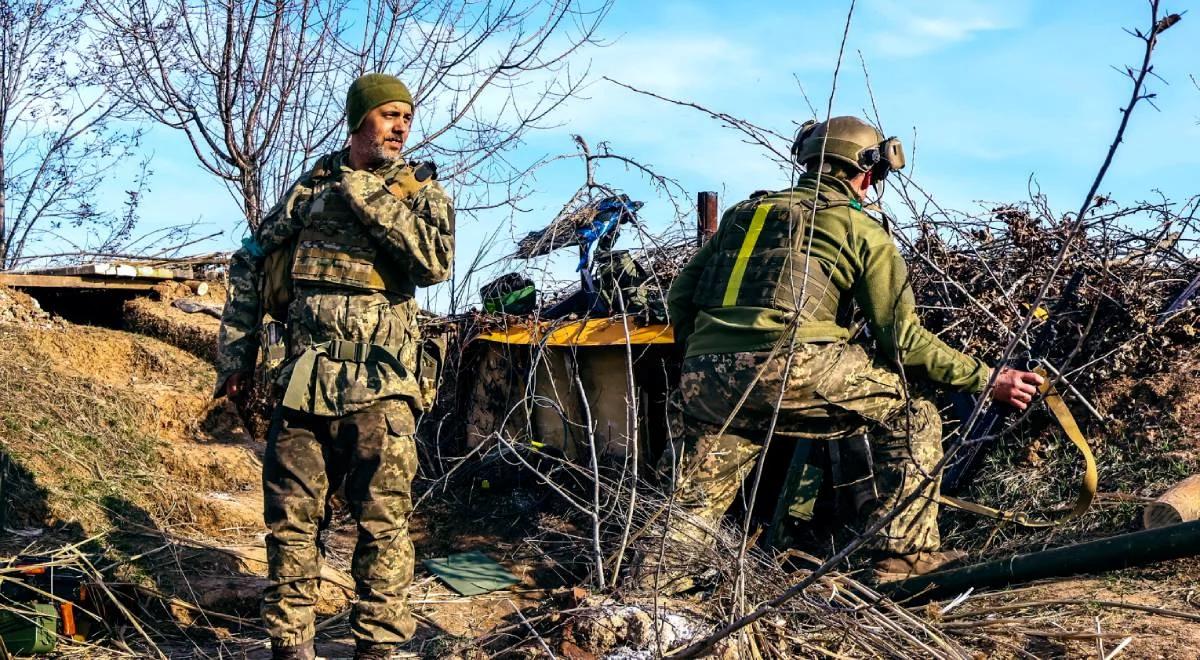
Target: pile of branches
[976, 275]
[603, 528]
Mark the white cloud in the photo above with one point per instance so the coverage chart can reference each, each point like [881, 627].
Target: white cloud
[912, 29]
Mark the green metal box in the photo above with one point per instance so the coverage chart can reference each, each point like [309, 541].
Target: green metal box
[29, 632]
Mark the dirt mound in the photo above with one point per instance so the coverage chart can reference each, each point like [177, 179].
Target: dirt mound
[97, 419]
[113, 437]
[1167, 401]
[160, 316]
[17, 308]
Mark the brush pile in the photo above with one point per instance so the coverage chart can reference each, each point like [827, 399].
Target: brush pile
[976, 278]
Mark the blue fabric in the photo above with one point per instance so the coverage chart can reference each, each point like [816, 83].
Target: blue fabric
[610, 212]
[252, 247]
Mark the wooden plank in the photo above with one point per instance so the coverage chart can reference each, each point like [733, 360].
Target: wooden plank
[19, 280]
[118, 269]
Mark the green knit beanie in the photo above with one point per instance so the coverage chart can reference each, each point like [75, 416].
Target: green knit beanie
[371, 91]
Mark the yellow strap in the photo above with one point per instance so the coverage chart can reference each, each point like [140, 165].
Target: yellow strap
[739, 267]
[1087, 489]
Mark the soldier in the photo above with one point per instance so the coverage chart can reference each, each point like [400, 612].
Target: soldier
[765, 307]
[338, 260]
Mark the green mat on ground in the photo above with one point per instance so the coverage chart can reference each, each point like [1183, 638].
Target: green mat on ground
[471, 573]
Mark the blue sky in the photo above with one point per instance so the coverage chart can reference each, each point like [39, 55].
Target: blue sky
[994, 92]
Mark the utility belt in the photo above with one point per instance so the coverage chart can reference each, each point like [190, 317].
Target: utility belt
[296, 396]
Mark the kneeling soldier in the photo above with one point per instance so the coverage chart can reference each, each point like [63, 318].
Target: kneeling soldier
[784, 270]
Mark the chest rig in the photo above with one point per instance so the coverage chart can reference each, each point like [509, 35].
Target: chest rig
[335, 250]
[760, 260]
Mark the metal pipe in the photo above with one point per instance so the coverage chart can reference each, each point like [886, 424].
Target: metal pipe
[1113, 553]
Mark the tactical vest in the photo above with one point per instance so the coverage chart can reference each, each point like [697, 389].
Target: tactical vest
[333, 250]
[760, 261]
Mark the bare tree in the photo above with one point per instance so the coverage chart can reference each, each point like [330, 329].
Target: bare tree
[483, 74]
[257, 86]
[246, 82]
[60, 136]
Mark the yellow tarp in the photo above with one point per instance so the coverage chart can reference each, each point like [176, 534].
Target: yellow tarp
[593, 332]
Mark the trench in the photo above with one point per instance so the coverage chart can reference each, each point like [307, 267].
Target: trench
[96, 307]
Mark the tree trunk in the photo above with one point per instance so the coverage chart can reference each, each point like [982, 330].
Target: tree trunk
[251, 198]
[3, 227]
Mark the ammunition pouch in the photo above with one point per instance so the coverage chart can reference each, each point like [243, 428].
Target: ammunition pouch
[325, 260]
[297, 397]
[430, 360]
[272, 345]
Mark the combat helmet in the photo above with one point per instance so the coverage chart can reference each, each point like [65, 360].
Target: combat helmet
[849, 141]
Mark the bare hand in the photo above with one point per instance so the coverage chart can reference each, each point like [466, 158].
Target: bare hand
[237, 387]
[1016, 388]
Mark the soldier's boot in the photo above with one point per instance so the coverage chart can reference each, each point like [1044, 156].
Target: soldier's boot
[918, 563]
[305, 651]
[706, 474]
[647, 576]
[363, 651]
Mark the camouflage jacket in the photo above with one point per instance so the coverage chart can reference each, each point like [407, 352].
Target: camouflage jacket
[416, 235]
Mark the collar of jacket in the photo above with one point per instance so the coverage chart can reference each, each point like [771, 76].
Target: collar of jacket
[830, 187]
[339, 161]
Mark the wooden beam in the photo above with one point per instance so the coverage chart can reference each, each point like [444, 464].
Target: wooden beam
[706, 216]
[24, 281]
[119, 270]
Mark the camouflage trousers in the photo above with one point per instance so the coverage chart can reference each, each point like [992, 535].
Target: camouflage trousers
[308, 457]
[830, 391]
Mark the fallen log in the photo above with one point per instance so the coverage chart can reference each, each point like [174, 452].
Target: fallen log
[1179, 504]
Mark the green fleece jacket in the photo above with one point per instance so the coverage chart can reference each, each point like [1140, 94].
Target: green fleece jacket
[863, 264]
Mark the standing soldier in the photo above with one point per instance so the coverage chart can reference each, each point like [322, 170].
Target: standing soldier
[765, 307]
[337, 262]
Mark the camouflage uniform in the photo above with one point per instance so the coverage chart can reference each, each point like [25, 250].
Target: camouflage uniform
[790, 266]
[831, 391]
[354, 252]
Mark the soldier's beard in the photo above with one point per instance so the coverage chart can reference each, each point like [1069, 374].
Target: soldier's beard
[384, 153]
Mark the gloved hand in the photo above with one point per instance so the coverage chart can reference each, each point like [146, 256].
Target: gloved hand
[237, 388]
[411, 179]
